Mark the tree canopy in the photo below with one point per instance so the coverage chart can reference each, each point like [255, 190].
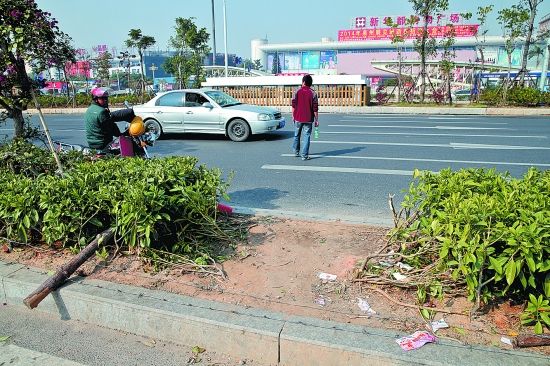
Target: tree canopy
[28, 37]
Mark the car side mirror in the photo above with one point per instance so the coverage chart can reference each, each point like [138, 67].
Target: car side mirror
[207, 105]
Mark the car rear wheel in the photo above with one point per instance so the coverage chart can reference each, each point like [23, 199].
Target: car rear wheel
[238, 130]
[153, 127]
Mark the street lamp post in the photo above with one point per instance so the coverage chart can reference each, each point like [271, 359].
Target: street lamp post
[153, 68]
[213, 36]
[225, 36]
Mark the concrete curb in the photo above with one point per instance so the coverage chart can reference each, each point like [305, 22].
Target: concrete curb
[375, 110]
[267, 337]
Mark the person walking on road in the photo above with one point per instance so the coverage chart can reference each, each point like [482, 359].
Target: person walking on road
[305, 112]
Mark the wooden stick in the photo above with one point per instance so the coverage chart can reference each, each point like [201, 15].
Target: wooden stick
[533, 340]
[383, 293]
[63, 273]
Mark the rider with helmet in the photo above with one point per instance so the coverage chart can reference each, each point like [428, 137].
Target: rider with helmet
[100, 122]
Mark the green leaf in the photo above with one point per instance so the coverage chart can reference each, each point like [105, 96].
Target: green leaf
[538, 328]
[530, 263]
[546, 285]
[545, 317]
[510, 272]
[4, 338]
[495, 264]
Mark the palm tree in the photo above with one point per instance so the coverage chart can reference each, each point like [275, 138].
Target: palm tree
[140, 42]
[536, 51]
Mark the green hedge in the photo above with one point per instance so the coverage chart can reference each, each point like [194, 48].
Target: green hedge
[523, 97]
[83, 100]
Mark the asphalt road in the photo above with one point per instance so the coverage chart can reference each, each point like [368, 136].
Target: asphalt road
[356, 162]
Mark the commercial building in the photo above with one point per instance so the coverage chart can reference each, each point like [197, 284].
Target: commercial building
[367, 49]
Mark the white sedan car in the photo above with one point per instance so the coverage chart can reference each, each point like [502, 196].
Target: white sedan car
[207, 111]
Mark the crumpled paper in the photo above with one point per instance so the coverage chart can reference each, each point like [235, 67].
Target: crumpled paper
[416, 340]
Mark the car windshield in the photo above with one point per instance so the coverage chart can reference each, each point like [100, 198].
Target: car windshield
[224, 100]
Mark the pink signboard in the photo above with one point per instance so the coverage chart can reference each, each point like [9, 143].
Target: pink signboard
[406, 33]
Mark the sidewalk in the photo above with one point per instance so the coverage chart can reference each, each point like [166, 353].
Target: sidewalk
[378, 110]
[268, 337]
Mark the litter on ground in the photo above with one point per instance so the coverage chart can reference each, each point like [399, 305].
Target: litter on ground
[415, 340]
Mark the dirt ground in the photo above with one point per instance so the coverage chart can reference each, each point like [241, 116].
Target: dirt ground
[278, 269]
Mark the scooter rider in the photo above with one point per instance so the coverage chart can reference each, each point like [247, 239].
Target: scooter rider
[100, 122]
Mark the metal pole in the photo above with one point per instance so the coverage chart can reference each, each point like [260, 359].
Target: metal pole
[213, 36]
[225, 36]
[546, 59]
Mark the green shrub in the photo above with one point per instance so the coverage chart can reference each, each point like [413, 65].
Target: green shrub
[491, 96]
[526, 97]
[156, 206]
[478, 230]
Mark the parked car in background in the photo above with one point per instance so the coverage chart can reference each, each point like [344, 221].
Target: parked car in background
[207, 111]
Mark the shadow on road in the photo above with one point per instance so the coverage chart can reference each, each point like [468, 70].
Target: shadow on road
[279, 135]
[256, 198]
[341, 151]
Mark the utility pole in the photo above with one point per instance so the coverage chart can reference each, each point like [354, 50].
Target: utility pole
[213, 36]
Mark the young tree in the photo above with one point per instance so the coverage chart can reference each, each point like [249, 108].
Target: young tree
[398, 41]
[513, 20]
[141, 42]
[531, 7]
[424, 44]
[28, 36]
[103, 63]
[482, 13]
[191, 44]
[447, 64]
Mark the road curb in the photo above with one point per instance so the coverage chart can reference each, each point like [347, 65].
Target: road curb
[268, 337]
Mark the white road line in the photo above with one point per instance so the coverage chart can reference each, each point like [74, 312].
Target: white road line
[453, 145]
[460, 145]
[432, 134]
[427, 127]
[426, 122]
[423, 160]
[338, 169]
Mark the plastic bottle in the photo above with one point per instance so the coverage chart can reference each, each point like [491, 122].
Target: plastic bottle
[316, 133]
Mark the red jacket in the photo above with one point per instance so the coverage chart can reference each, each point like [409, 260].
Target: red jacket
[305, 104]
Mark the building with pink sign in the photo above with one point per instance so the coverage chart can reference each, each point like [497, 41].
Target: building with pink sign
[366, 48]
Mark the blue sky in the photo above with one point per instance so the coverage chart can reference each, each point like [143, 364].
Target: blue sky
[92, 23]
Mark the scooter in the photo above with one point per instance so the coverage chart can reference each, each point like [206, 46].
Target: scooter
[132, 142]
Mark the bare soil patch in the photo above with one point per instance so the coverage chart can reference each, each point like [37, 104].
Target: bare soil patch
[278, 268]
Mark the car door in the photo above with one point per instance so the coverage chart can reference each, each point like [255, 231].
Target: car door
[168, 111]
[197, 118]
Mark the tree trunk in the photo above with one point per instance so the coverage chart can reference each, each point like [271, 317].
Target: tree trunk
[523, 71]
[63, 273]
[399, 82]
[478, 81]
[18, 122]
[423, 60]
[505, 93]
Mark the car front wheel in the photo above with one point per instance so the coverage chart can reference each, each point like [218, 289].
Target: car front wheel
[153, 127]
[238, 130]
